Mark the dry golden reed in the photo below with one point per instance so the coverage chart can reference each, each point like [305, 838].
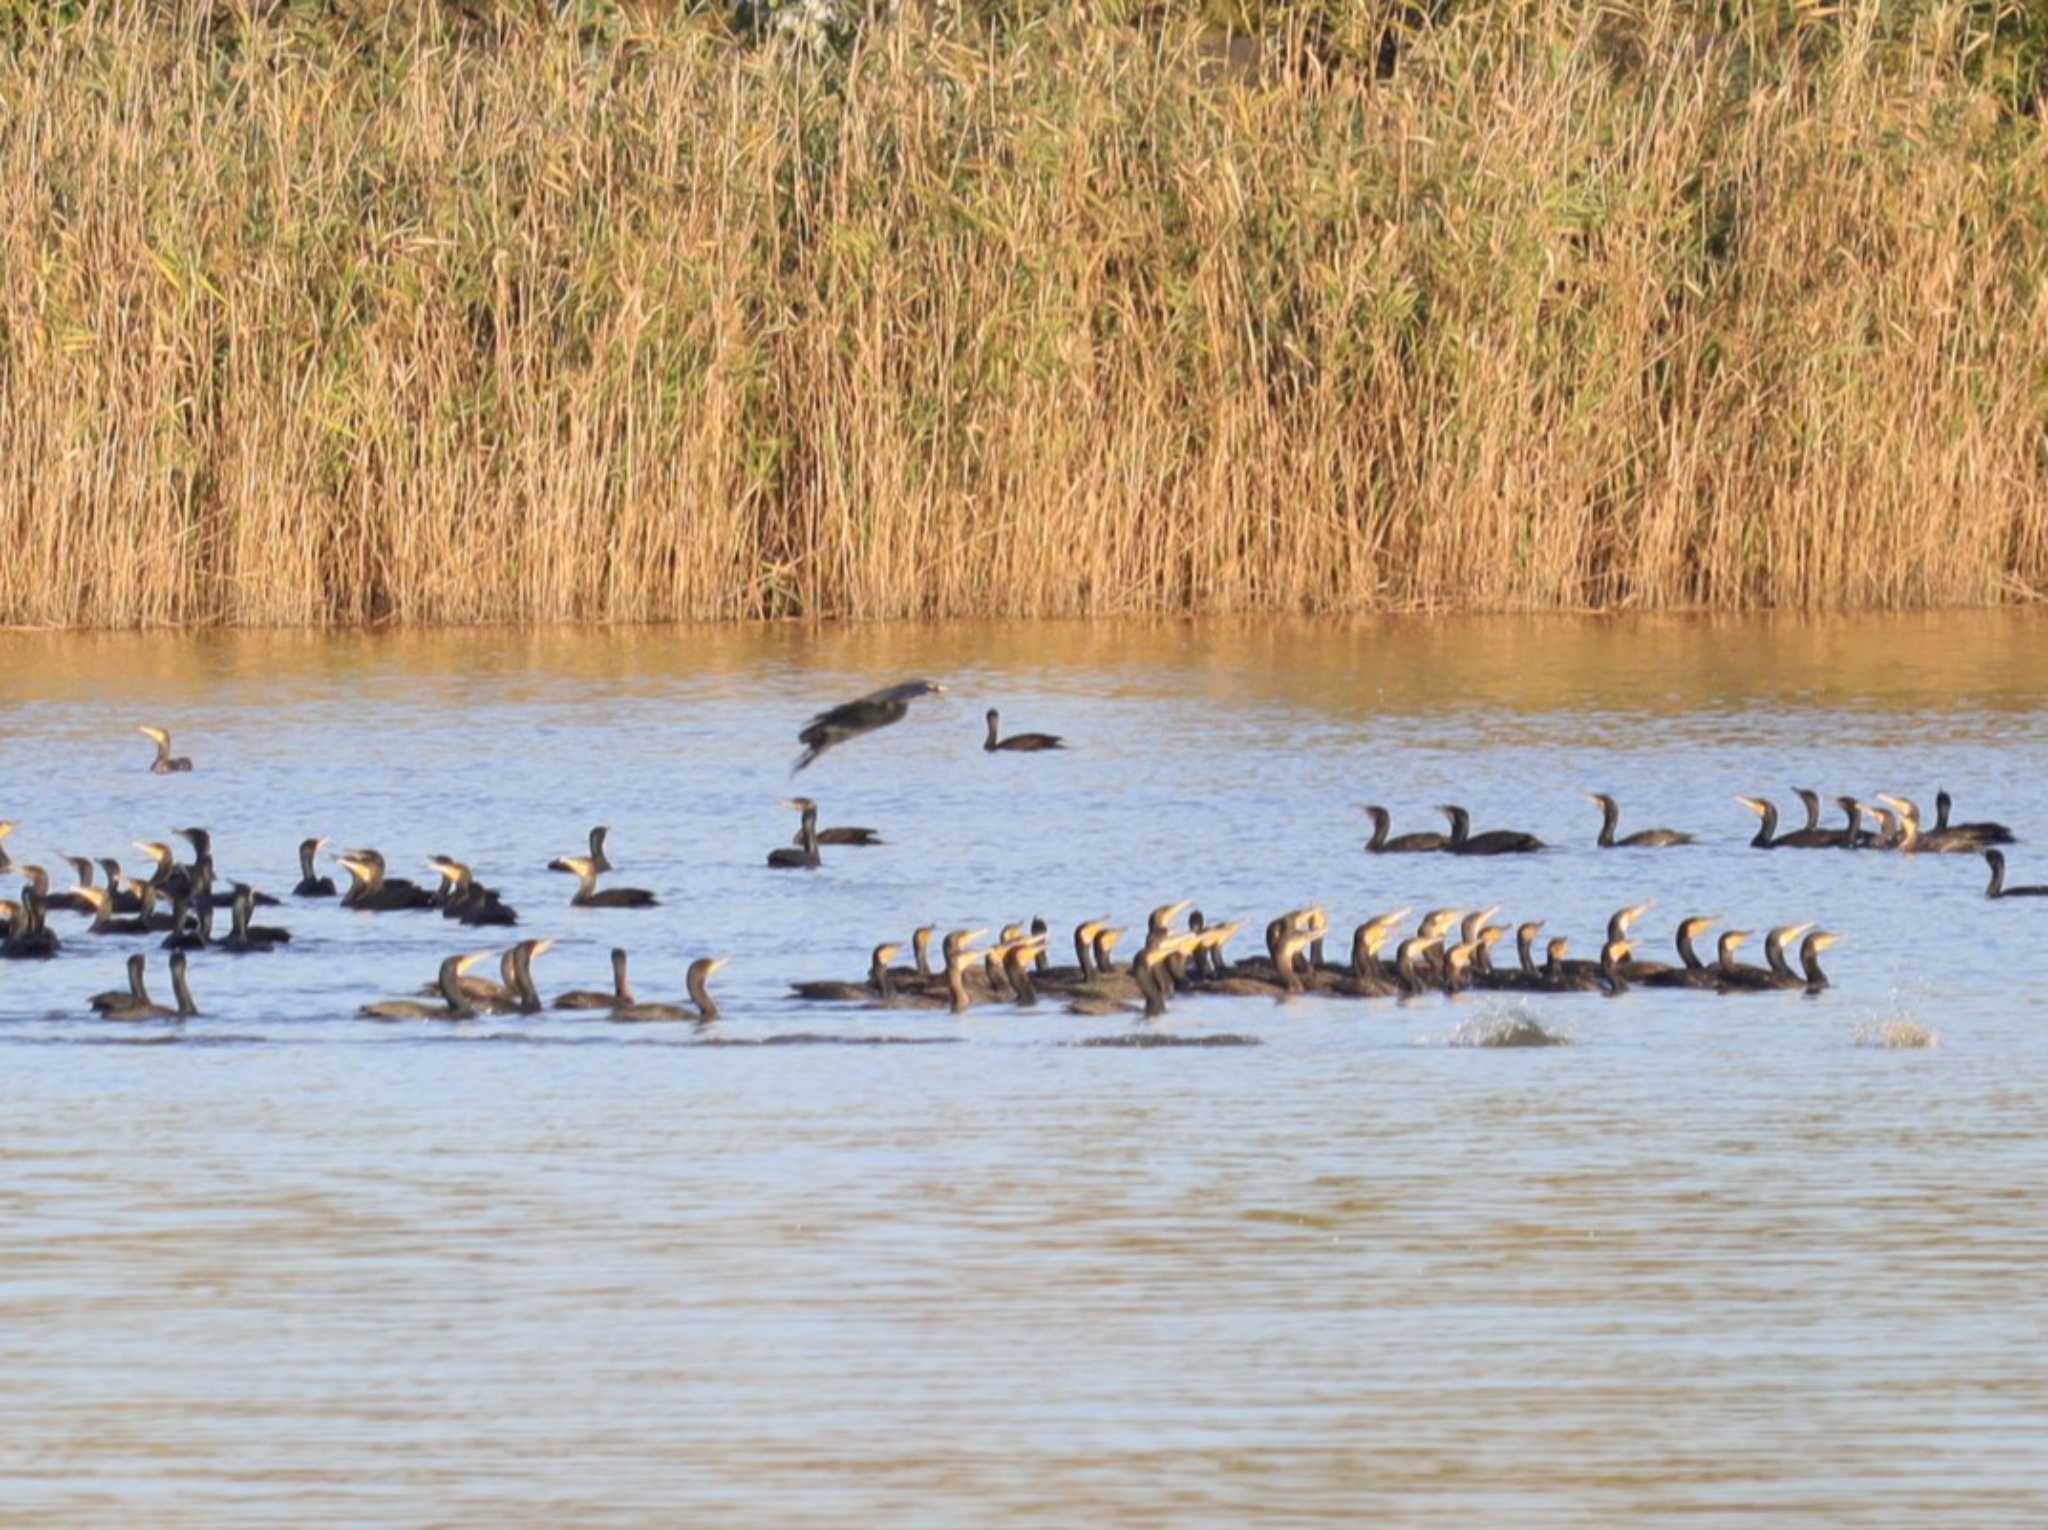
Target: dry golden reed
[337, 316]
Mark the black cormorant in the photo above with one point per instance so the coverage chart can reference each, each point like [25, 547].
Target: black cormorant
[1022, 743]
[1610, 815]
[704, 1009]
[588, 998]
[1996, 860]
[850, 719]
[164, 764]
[1984, 831]
[1494, 842]
[805, 857]
[1381, 844]
[455, 1005]
[144, 1010]
[311, 883]
[589, 896]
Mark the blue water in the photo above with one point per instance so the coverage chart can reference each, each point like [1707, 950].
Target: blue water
[1720, 1259]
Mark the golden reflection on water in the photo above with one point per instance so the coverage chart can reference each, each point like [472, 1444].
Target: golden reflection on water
[1650, 665]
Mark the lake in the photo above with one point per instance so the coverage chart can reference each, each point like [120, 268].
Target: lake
[1720, 1260]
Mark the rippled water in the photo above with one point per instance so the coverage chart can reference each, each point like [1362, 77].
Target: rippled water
[1716, 1261]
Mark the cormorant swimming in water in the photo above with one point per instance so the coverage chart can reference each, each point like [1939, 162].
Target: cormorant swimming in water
[456, 1005]
[700, 996]
[1768, 837]
[1936, 841]
[587, 894]
[1733, 976]
[842, 835]
[1379, 844]
[311, 883]
[589, 998]
[135, 994]
[880, 984]
[1021, 742]
[804, 858]
[1782, 975]
[1984, 831]
[1494, 842]
[164, 764]
[1693, 973]
[373, 891]
[1995, 859]
[144, 1010]
[1610, 815]
[850, 719]
[245, 939]
[1809, 958]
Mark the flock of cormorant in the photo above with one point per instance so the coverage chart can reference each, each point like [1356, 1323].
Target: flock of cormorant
[1451, 950]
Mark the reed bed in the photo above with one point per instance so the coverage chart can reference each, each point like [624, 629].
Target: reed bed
[345, 316]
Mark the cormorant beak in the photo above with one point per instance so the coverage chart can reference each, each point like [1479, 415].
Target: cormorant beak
[1755, 804]
[470, 960]
[888, 954]
[714, 964]
[542, 947]
[1822, 940]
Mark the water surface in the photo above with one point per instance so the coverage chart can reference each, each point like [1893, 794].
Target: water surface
[1714, 1262]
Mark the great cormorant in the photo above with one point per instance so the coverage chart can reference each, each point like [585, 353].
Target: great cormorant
[1646, 839]
[850, 719]
[164, 764]
[1022, 743]
[588, 894]
[1996, 860]
[1494, 842]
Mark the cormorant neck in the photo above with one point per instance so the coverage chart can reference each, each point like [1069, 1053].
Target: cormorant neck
[707, 1009]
